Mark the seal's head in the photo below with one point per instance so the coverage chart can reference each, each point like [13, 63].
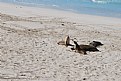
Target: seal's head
[67, 40]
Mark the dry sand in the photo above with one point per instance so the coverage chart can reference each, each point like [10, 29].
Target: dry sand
[29, 50]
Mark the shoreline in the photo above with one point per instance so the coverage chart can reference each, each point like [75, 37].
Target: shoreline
[108, 13]
[29, 49]
[35, 11]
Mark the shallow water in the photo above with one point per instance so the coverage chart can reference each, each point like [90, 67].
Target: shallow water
[110, 8]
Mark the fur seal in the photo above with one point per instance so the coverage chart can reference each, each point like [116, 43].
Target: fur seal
[78, 49]
[83, 48]
[65, 42]
[95, 43]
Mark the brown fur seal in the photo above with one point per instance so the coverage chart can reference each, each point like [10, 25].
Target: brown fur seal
[78, 49]
[83, 48]
[65, 42]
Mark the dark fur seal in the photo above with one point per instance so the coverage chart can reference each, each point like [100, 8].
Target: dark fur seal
[95, 43]
[84, 48]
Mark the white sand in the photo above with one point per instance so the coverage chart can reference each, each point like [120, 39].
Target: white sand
[29, 50]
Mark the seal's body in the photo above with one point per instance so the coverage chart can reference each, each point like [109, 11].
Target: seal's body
[84, 48]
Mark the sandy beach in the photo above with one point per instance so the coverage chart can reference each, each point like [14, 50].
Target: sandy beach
[29, 49]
